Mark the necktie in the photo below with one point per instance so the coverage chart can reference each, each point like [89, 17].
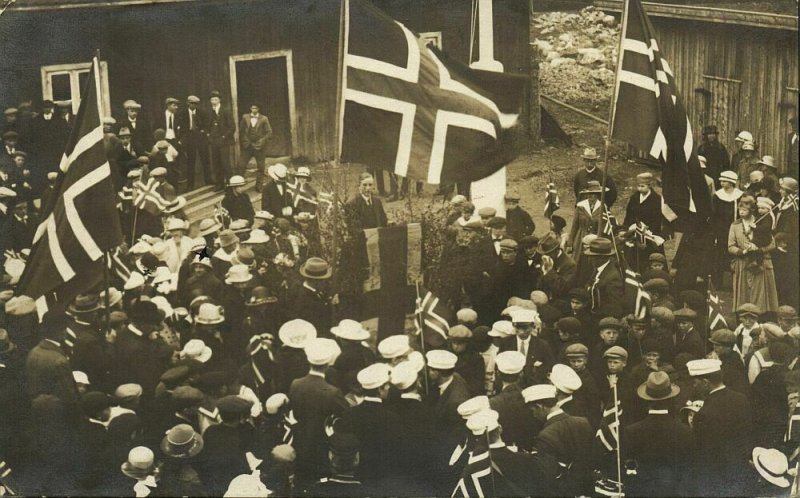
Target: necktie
[191, 120]
[171, 127]
[523, 348]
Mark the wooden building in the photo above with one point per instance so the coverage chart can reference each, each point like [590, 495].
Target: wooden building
[282, 54]
[737, 70]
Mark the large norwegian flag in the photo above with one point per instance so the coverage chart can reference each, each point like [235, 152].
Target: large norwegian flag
[82, 224]
[411, 110]
[649, 114]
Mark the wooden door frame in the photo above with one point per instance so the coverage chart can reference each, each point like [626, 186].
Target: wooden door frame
[287, 53]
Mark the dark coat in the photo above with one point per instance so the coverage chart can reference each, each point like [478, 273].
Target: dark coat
[254, 136]
[378, 430]
[354, 357]
[222, 458]
[239, 206]
[22, 232]
[734, 372]
[539, 360]
[558, 281]
[660, 445]
[140, 360]
[273, 201]
[48, 371]
[220, 127]
[582, 178]
[417, 444]
[141, 136]
[519, 425]
[290, 364]
[717, 158]
[92, 354]
[769, 406]
[648, 212]
[519, 222]
[608, 293]
[689, 343]
[311, 306]
[368, 216]
[521, 474]
[572, 442]
[313, 401]
[445, 408]
[722, 431]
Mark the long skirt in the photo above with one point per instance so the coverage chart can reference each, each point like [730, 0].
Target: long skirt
[754, 285]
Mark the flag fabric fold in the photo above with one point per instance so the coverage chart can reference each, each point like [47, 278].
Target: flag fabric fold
[715, 318]
[408, 108]
[608, 432]
[649, 114]
[636, 298]
[82, 223]
[475, 481]
[551, 201]
[435, 318]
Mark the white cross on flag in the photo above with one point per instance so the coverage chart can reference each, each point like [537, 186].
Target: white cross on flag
[82, 224]
[649, 114]
[409, 109]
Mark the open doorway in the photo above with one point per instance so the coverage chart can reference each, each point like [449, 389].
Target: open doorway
[266, 79]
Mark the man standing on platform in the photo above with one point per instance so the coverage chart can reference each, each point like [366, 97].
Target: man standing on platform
[220, 130]
[193, 140]
[254, 133]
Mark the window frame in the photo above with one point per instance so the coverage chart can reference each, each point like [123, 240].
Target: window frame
[74, 71]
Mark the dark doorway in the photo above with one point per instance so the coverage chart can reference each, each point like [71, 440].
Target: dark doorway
[265, 82]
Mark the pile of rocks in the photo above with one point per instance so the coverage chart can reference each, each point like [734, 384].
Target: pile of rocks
[578, 56]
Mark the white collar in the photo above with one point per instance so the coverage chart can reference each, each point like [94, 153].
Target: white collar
[602, 267]
[136, 331]
[224, 256]
[557, 411]
[54, 342]
[318, 374]
[373, 399]
[446, 384]
[498, 444]
[643, 197]
[717, 389]
[305, 284]
[564, 401]
[585, 205]
[728, 197]
[95, 421]
[658, 412]
[368, 200]
[414, 396]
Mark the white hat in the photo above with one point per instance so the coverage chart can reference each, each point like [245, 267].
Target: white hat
[466, 315]
[507, 311]
[236, 181]
[767, 161]
[404, 375]
[238, 274]
[565, 379]
[209, 314]
[196, 350]
[441, 359]
[748, 145]
[114, 296]
[295, 333]
[131, 104]
[80, 377]
[703, 367]
[277, 171]
[472, 406]
[765, 202]
[134, 173]
[524, 316]
[502, 328]
[197, 244]
[744, 136]
[772, 465]
[275, 403]
[729, 176]
[303, 171]
[510, 362]
[322, 351]
[350, 330]
[257, 236]
[416, 359]
[247, 485]
[163, 305]
[141, 247]
[374, 376]
[176, 224]
[176, 205]
[160, 250]
[134, 281]
[394, 346]
[162, 274]
[482, 422]
[264, 215]
[539, 392]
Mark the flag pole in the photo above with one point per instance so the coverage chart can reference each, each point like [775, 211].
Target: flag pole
[341, 83]
[619, 458]
[107, 299]
[418, 318]
[708, 314]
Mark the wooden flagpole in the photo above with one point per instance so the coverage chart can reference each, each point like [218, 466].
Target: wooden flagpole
[420, 324]
[344, 35]
[619, 430]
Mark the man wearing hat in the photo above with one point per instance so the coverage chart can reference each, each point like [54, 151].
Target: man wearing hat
[141, 131]
[220, 132]
[92, 350]
[310, 300]
[48, 139]
[734, 373]
[659, 444]
[170, 122]
[192, 124]
[717, 157]
[687, 337]
[591, 172]
[343, 460]
[722, 430]
[538, 354]
[237, 201]
[558, 268]
[254, 133]
[141, 354]
[787, 221]
[313, 401]
[47, 368]
[355, 353]
[520, 222]
[451, 387]
[605, 284]
[588, 394]
[519, 426]
[276, 197]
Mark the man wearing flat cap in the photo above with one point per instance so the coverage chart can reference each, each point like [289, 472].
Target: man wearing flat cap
[605, 284]
[192, 123]
[220, 131]
[717, 157]
[141, 131]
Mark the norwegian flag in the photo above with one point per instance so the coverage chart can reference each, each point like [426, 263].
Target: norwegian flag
[82, 223]
[435, 317]
[222, 215]
[551, 200]
[288, 427]
[118, 265]
[409, 109]
[609, 222]
[644, 234]
[636, 297]
[147, 197]
[715, 318]
[476, 478]
[649, 114]
[608, 432]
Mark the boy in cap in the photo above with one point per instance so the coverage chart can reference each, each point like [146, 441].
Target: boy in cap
[520, 223]
[734, 373]
[687, 338]
[470, 363]
[519, 426]
[644, 206]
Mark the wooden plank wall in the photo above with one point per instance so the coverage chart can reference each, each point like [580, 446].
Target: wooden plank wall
[764, 60]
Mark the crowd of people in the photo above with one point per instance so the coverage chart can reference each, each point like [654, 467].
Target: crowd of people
[218, 362]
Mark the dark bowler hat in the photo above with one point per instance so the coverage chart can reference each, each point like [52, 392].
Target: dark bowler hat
[214, 93]
[600, 247]
[232, 406]
[710, 130]
[84, 303]
[316, 268]
[657, 387]
[145, 312]
[548, 243]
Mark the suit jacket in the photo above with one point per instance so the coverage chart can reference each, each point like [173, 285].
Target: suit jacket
[92, 354]
[539, 361]
[238, 206]
[582, 178]
[141, 136]
[369, 216]
[313, 401]
[607, 292]
[273, 201]
[522, 474]
[659, 444]
[519, 425]
[690, 343]
[184, 132]
[648, 212]
[377, 428]
[445, 409]
[558, 281]
[220, 127]
[48, 371]
[311, 306]
[572, 442]
[254, 136]
[140, 360]
[417, 444]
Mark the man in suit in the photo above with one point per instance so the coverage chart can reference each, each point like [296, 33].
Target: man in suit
[722, 434]
[448, 390]
[127, 158]
[220, 132]
[591, 171]
[47, 368]
[658, 444]
[141, 132]
[254, 133]
[92, 350]
[570, 440]
[605, 285]
[275, 196]
[539, 357]
[687, 338]
[734, 373]
[364, 207]
[313, 401]
[141, 355]
[193, 140]
[310, 300]
[49, 138]
[22, 227]
[376, 426]
[558, 268]
[519, 426]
